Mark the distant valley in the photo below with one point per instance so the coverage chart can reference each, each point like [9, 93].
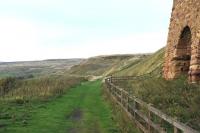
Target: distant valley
[36, 68]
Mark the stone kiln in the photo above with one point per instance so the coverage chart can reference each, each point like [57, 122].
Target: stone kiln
[183, 46]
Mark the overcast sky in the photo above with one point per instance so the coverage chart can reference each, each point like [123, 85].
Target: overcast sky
[47, 29]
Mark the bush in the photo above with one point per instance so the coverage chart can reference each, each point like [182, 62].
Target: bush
[7, 84]
[43, 87]
[19, 100]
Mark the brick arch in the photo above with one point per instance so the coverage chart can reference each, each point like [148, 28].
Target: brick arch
[182, 57]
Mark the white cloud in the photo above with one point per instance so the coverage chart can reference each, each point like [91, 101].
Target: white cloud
[140, 43]
[21, 39]
[24, 40]
[87, 28]
[16, 36]
[34, 3]
[136, 43]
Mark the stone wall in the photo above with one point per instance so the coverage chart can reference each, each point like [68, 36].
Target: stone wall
[183, 45]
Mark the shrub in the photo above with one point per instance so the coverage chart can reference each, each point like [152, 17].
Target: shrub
[7, 84]
[43, 87]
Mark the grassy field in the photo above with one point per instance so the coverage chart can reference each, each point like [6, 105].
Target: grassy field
[20, 90]
[80, 110]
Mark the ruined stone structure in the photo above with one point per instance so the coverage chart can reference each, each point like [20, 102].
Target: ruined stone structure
[183, 45]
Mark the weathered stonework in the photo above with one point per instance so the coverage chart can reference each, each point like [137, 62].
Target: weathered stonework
[183, 45]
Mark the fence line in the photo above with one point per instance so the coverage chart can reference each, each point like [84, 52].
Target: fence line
[142, 113]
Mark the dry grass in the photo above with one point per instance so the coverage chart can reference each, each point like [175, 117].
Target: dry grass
[37, 88]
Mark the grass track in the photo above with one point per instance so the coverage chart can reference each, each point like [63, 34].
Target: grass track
[81, 110]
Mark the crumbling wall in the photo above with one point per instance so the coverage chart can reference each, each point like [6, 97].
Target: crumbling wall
[183, 46]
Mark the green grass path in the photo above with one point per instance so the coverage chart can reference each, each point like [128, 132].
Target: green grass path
[81, 110]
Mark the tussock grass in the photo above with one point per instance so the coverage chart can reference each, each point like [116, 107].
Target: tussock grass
[37, 88]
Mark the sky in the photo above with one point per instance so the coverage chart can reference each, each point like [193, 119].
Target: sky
[59, 29]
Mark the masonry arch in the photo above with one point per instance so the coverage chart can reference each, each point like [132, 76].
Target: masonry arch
[183, 51]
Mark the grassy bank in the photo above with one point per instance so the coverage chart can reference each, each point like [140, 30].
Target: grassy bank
[176, 98]
[21, 90]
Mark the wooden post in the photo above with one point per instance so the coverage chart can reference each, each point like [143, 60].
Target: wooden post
[111, 81]
[175, 130]
[115, 91]
[149, 117]
[1, 91]
[128, 103]
[128, 100]
[134, 106]
[122, 97]
[107, 81]
[111, 91]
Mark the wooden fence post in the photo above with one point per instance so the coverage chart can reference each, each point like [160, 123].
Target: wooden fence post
[115, 91]
[128, 103]
[134, 106]
[111, 79]
[149, 117]
[175, 130]
[121, 96]
[111, 91]
[1, 91]
[128, 99]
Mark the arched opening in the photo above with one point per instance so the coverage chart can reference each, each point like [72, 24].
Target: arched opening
[183, 51]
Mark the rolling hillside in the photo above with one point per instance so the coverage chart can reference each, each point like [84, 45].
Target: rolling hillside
[36, 68]
[105, 65]
[144, 65]
[119, 65]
